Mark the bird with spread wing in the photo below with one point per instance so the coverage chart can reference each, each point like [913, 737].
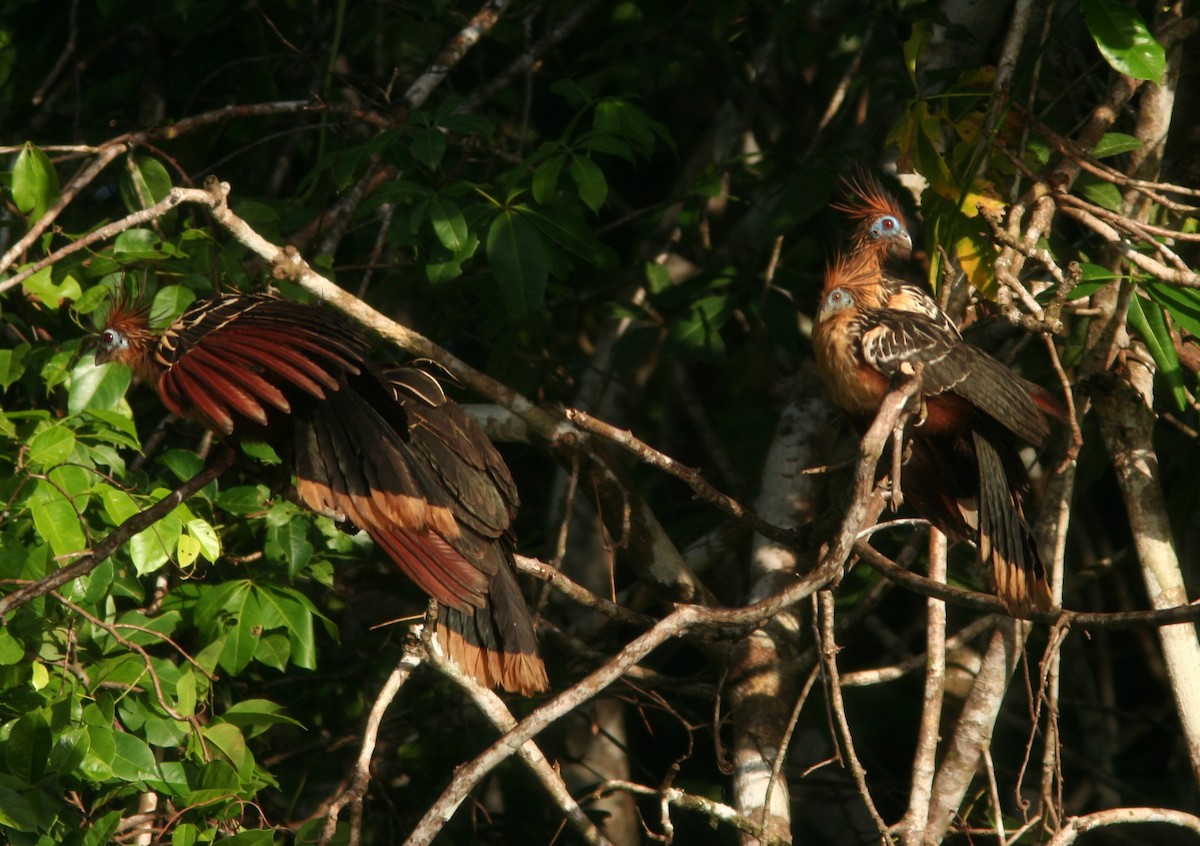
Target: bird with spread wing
[385, 450]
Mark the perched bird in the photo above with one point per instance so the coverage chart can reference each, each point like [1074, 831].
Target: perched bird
[962, 470]
[383, 449]
[880, 228]
[881, 241]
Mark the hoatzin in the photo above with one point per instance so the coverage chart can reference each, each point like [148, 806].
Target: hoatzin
[962, 470]
[385, 450]
[881, 239]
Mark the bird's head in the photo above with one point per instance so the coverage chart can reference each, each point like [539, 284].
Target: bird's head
[126, 337]
[881, 225]
[849, 281]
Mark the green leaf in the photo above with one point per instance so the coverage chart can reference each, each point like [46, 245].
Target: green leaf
[520, 262]
[572, 234]
[1114, 143]
[254, 716]
[132, 759]
[297, 613]
[12, 364]
[206, 536]
[169, 303]
[52, 446]
[428, 146]
[593, 187]
[11, 649]
[146, 182]
[242, 500]
[1124, 39]
[448, 223]
[288, 543]
[151, 548]
[27, 747]
[34, 182]
[228, 738]
[98, 387]
[56, 520]
[1148, 321]
[70, 748]
[141, 245]
[699, 331]
[545, 179]
[1183, 304]
[183, 463]
[53, 294]
[16, 811]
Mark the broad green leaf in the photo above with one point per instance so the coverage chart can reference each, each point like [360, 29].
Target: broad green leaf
[16, 811]
[101, 828]
[593, 187]
[699, 332]
[151, 548]
[206, 536]
[141, 244]
[254, 716]
[288, 543]
[70, 748]
[51, 293]
[185, 834]
[517, 253]
[52, 446]
[428, 146]
[1100, 192]
[545, 179]
[183, 463]
[448, 223]
[296, 613]
[132, 758]
[12, 364]
[242, 500]
[169, 303]
[228, 738]
[1114, 143]
[273, 650]
[97, 387]
[11, 649]
[185, 691]
[27, 747]
[34, 182]
[56, 520]
[1124, 39]
[97, 763]
[572, 234]
[146, 182]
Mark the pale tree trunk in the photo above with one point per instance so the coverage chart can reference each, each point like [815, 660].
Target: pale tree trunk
[1127, 426]
[761, 691]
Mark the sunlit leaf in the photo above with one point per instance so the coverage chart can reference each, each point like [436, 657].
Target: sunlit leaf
[1124, 39]
[35, 183]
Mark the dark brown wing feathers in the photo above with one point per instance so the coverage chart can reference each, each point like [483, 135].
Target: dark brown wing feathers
[386, 452]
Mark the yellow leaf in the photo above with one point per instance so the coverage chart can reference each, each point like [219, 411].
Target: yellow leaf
[977, 259]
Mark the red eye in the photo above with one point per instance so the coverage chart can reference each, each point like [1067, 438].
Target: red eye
[888, 223]
[107, 336]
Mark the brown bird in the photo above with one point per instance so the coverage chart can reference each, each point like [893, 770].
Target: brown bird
[384, 450]
[881, 240]
[962, 470]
